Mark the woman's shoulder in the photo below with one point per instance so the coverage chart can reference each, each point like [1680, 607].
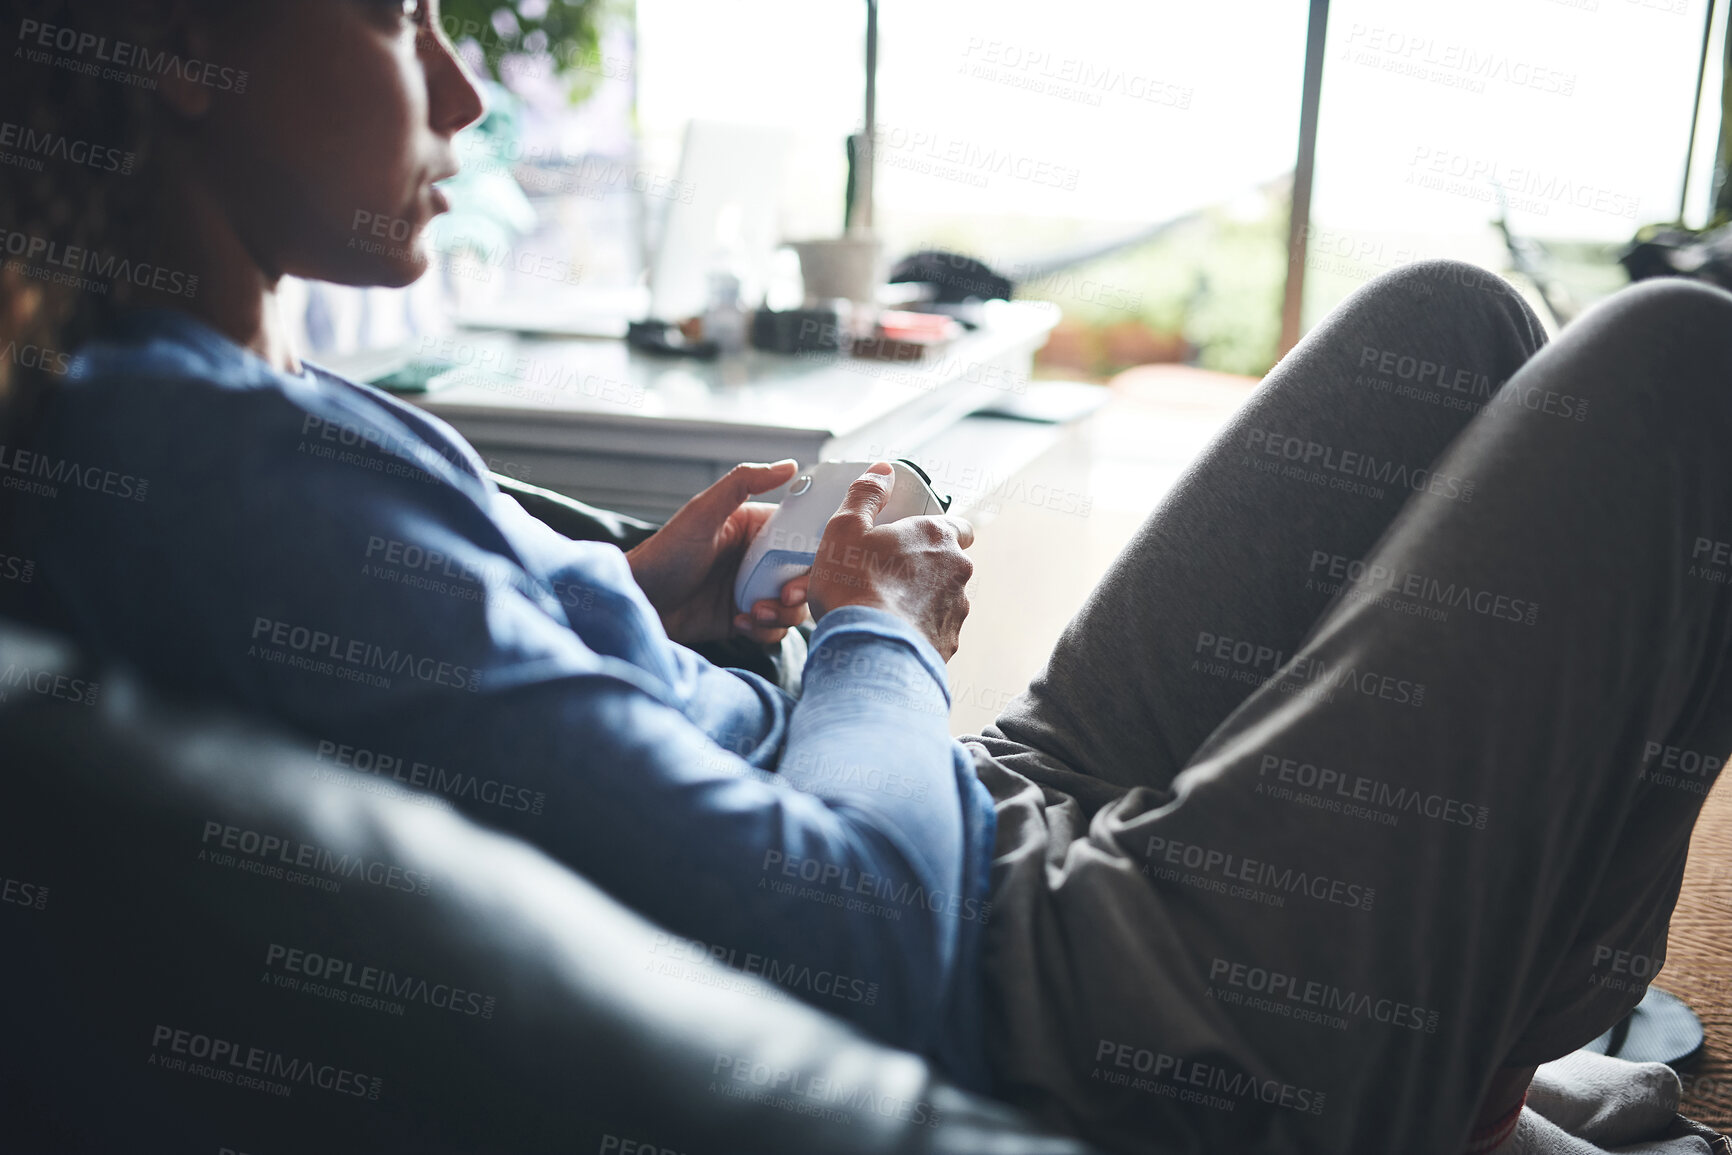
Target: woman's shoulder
[164, 390]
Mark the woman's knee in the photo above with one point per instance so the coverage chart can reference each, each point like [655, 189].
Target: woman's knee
[1666, 307]
[1436, 276]
[1442, 309]
[1665, 341]
[1457, 289]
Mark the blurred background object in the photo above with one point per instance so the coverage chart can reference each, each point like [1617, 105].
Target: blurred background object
[1131, 164]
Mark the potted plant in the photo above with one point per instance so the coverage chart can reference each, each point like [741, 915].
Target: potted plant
[561, 37]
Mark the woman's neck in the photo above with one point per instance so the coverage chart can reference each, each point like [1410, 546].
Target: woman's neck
[189, 235]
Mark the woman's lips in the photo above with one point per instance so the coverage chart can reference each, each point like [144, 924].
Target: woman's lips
[441, 203]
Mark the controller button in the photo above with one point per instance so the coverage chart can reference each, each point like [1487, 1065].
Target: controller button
[801, 485]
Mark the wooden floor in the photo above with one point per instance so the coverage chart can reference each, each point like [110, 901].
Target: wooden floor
[1037, 555]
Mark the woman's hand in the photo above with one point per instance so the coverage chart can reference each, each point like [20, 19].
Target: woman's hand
[687, 567]
[914, 568]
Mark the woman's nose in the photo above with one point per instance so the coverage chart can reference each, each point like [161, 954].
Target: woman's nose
[454, 101]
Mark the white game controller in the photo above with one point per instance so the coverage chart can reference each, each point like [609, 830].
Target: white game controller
[788, 544]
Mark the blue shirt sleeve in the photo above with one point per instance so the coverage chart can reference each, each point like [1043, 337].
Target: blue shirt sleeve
[317, 553]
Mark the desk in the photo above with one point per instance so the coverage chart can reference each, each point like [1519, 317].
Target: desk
[641, 434]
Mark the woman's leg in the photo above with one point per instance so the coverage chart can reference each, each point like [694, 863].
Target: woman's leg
[1225, 580]
[1434, 843]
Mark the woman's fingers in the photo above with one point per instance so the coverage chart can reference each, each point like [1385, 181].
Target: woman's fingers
[770, 620]
[776, 615]
[768, 635]
[717, 503]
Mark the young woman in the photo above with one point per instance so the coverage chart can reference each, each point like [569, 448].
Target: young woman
[1331, 816]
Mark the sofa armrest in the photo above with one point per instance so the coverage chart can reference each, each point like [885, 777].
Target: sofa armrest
[214, 940]
[576, 519]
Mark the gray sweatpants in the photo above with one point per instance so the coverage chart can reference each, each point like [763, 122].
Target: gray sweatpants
[1371, 765]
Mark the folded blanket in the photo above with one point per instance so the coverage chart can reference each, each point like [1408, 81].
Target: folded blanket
[1588, 1104]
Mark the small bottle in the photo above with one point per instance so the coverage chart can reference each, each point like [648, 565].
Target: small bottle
[724, 319]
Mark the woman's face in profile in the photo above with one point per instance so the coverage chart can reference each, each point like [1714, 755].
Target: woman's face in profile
[326, 162]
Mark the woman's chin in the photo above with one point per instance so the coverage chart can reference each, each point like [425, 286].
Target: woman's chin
[402, 273]
[393, 271]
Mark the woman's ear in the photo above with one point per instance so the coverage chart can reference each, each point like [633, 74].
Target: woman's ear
[185, 37]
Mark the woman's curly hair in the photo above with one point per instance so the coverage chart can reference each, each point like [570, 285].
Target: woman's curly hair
[50, 106]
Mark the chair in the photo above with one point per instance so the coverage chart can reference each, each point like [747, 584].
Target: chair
[215, 942]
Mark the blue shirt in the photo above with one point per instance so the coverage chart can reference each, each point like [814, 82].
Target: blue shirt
[315, 551]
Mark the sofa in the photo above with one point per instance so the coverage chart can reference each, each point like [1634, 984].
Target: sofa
[216, 942]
